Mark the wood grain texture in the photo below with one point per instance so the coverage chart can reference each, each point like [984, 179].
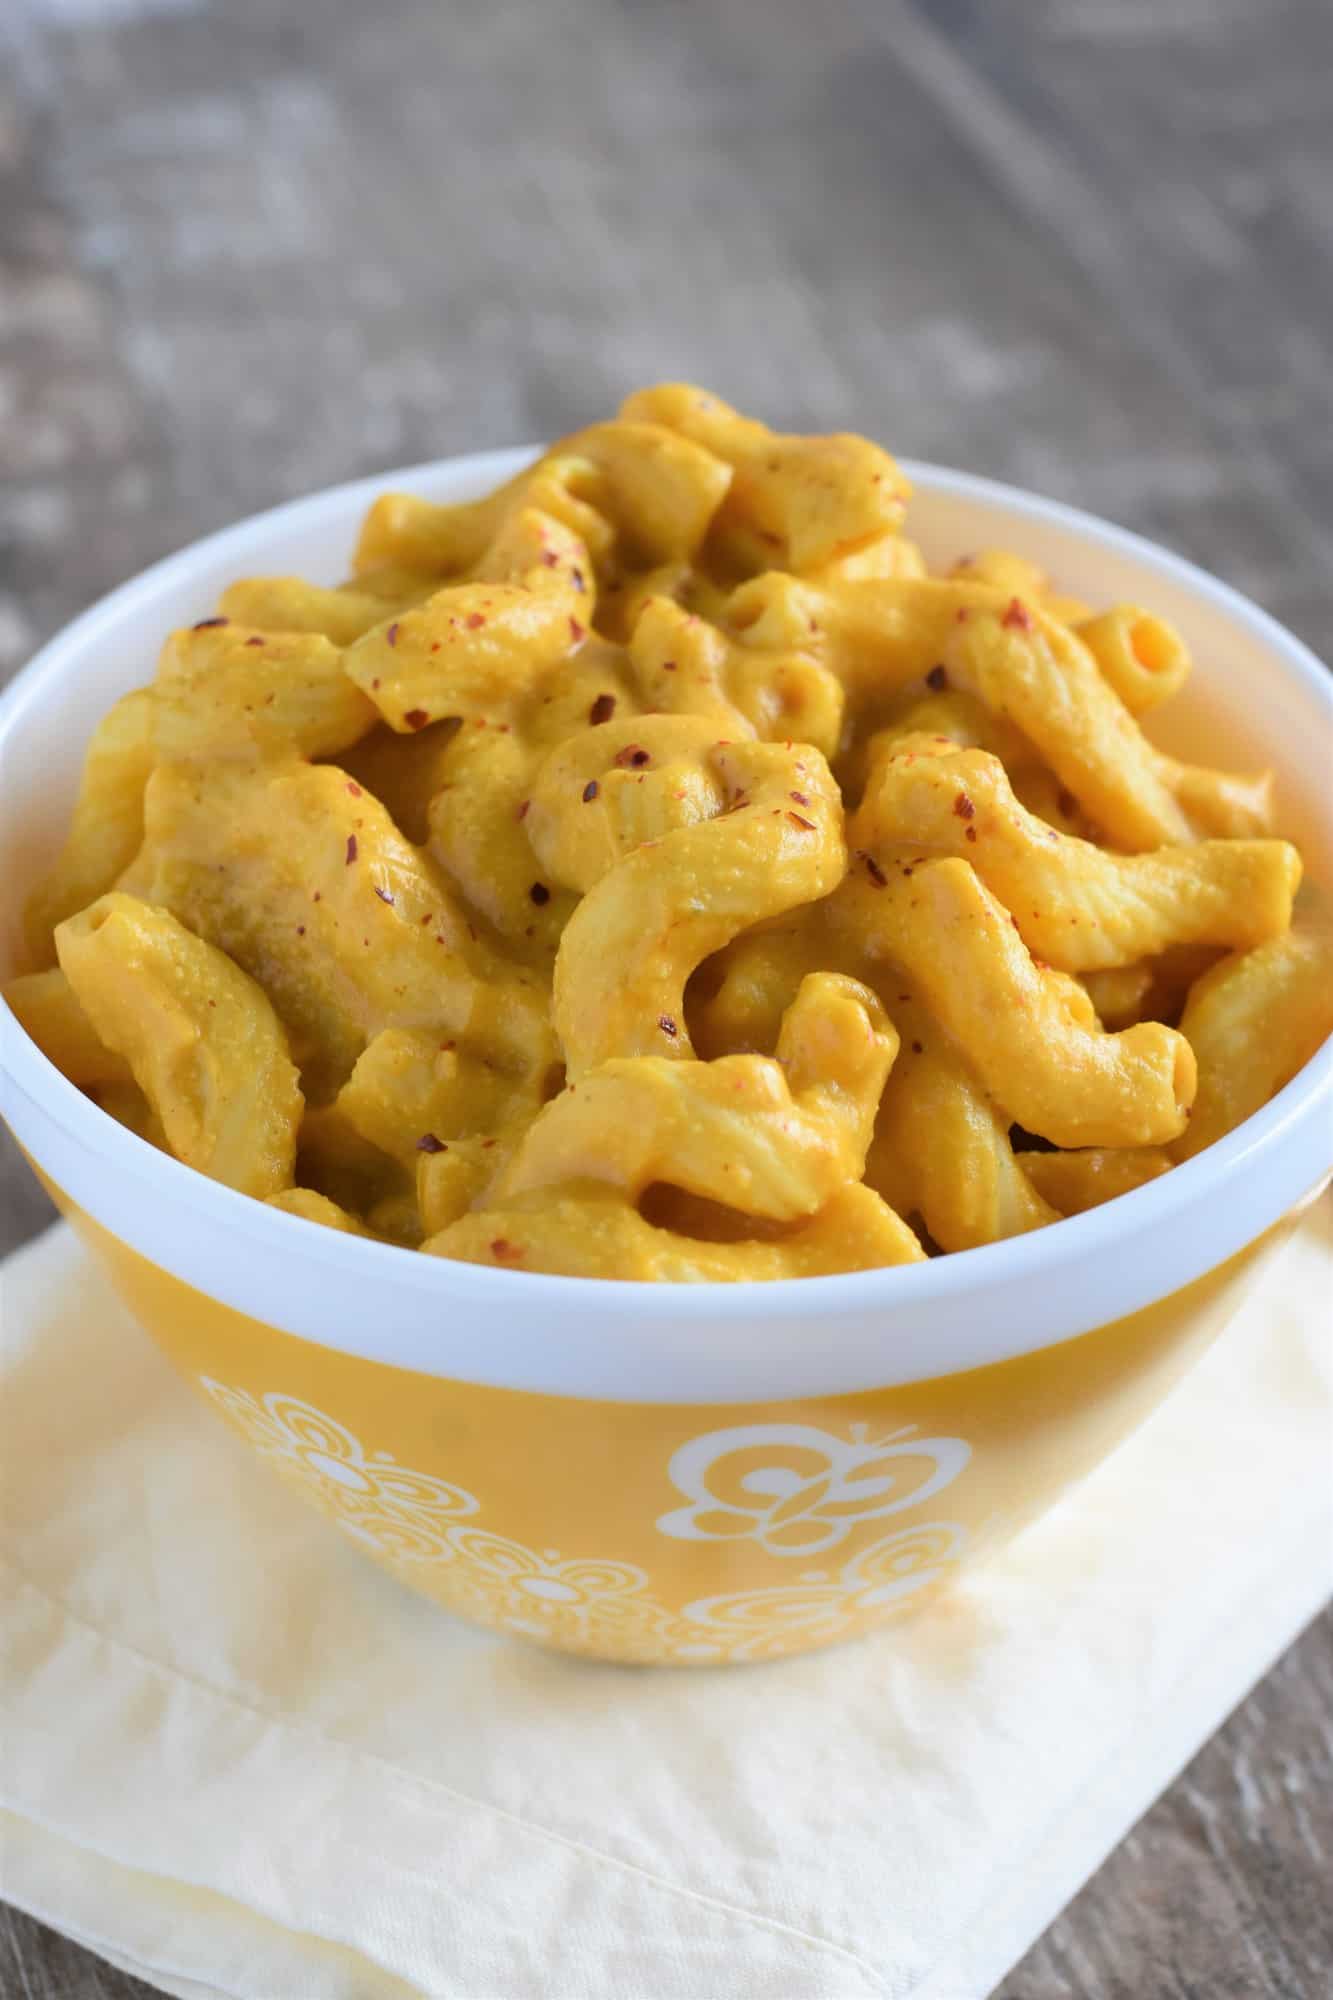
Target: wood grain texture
[254, 246]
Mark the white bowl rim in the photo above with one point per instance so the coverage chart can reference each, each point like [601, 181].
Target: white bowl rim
[959, 1276]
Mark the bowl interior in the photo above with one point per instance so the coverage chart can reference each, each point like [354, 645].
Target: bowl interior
[1257, 697]
[1221, 715]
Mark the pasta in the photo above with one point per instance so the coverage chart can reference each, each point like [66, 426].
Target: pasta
[650, 870]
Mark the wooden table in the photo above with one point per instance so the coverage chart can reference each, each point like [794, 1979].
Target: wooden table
[255, 246]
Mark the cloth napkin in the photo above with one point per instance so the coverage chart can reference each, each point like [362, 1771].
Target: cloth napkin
[239, 1760]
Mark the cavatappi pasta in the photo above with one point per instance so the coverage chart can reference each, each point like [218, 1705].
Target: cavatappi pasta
[651, 871]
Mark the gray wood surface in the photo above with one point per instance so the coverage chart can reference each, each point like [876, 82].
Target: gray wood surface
[254, 246]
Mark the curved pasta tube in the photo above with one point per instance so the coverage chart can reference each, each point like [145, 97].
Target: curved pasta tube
[106, 827]
[655, 488]
[737, 999]
[602, 793]
[300, 876]
[47, 1008]
[799, 501]
[314, 1207]
[470, 649]
[1120, 994]
[684, 665]
[223, 690]
[204, 1045]
[770, 1137]
[942, 1149]
[1077, 906]
[1023, 664]
[410, 1094]
[290, 604]
[639, 933]
[1017, 577]
[1073, 1182]
[1253, 1021]
[592, 1232]
[1140, 655]
[1029, 1033]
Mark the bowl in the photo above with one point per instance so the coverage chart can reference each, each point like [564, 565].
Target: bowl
[655, 1473]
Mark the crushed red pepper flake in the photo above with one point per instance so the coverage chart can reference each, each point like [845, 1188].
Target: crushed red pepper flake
[300, 930]
[602, 709]
[875, 872]
[550, 558]
[668, 666]
[539, 893]
[256, 639]
[391, 636]
[961, 615]
[964, 807]
[577, 631]
[416, 718]
[502, 1248]
[576, 578]
[385, 895]
[375, 683]
[799, 797]
[354, 788]
[938, 678]
[1017, 616]
[428, 1143]
[806, 825]
[474, 621]
[633, 756]
[970, 833]
[590, 791]
[522, 812]
[486, 1144]
[350, 856]
[667, 1025]
[917, 1049]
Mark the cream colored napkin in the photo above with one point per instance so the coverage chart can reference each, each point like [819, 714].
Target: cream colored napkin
[238, 1760]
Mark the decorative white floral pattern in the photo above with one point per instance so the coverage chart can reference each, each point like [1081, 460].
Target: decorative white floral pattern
[397, 1513]
[423, 1524]
[759, 1624]
[797, 1490]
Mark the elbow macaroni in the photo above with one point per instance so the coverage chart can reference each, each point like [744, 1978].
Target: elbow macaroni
[651, 871]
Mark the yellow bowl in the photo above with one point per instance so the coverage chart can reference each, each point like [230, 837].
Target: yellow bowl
[658, 1473]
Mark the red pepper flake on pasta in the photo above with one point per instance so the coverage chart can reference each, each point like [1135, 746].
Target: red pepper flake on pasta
[384, 895]
[938, 678]
[504, 1250]
[391, 636]
[917, 1049]
[416, 718]
[354, 788]
[602, 709]
[590, 791]
[350, 856]
[970, 833]
[668, 666]
[1017, 616]
[875, 872]
[806, 825]
[522, 812]
[577, 631]
[256, 639]
[539, 893]
[799, 797]
[474, 621]
[633, 757]
[964, 807]
[668, 1026]
[576, 578]
[428, 1143]
[550, 558]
